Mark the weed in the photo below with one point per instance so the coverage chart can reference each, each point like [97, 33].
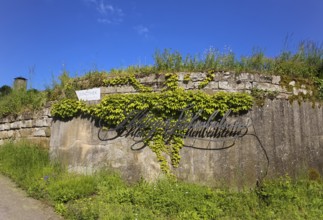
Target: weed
[104, 195]
[260, 95]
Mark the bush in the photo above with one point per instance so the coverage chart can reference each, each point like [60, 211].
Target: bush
[5, 90]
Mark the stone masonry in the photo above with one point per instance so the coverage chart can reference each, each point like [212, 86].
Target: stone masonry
[223, 81]
[34, 126]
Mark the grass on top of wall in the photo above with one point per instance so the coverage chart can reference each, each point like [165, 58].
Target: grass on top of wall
[305, 63]
[17, 101]
[105, 195]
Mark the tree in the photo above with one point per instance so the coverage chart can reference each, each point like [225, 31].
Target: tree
[5, 90]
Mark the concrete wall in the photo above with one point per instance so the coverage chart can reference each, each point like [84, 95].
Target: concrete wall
[291, 135]
[33, 126]
[76, 144]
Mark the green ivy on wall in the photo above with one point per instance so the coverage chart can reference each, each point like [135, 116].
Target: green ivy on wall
[127, 80]
[165, 105]
[209, 77]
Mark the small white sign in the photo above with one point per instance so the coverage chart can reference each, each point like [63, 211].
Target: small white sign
[89, 94]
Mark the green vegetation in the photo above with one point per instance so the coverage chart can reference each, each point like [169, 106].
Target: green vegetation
[209, 77]
[260, 96]
[5, 90]
[307, 61]
[169, 103]
[303, 65]
[105, 196]
[127, 80]
[166, 105]
[15, 102]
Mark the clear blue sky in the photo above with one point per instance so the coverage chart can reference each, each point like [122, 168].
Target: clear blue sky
[40, 38]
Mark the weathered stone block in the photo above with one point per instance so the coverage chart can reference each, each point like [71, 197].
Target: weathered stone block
[148, 79]
[3, 134]
[192, 85]
[5, 120]
[40, 123]
[189, 85]
[39, 132]
[198, 76]
[29, 115]
[301, 91]
[282, 96]
[276, 80]
[227, 76]
[224, 85]
[125, 89]
[292, 83]
[15, 125]
[6, 126]
[108, 90]
[27, 124]
[227, 85]
[248, 85]
[161, 79]
[181, 76]
[46, 112]
[262, 78]
[218, 77]
[245, 77]
[27, 132]
[10, 134]
[212, 85]
[269, 87]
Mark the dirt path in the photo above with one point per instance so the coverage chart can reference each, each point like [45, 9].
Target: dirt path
[15, 205]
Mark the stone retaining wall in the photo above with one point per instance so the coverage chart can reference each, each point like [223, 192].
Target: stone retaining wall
[223, 81]
[33, 126]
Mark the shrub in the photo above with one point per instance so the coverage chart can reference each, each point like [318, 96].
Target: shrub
[5, 90]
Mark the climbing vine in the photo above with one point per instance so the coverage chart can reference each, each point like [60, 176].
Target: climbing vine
[187, 78]
[127, 80]
[209, 77]
[162, 108]
[171, 81]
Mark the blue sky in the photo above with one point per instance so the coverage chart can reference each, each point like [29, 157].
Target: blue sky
[41, 38]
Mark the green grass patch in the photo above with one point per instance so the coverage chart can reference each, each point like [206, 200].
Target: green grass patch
[18, 101]
[105, 195]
